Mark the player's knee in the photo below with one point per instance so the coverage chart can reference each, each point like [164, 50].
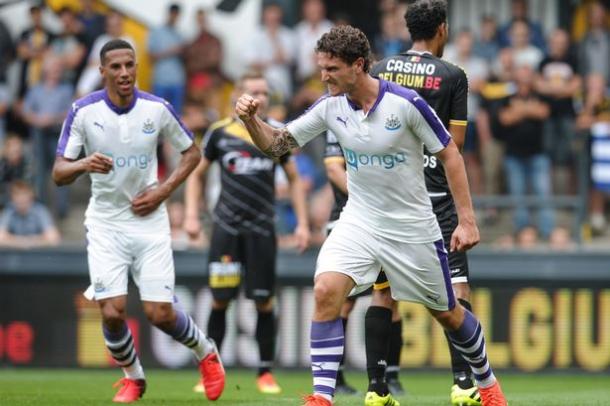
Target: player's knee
[450, 319]
[325, 294]
[113, 317]
[162, 317]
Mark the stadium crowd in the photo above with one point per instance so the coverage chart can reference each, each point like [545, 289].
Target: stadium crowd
[538, 109]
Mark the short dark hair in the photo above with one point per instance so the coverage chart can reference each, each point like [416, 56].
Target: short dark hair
[423, 17]
[346, 43]
[174, 8]
[112, 45]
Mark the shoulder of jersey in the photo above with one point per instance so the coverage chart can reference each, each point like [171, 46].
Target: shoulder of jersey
[454, 68]
[88, 100]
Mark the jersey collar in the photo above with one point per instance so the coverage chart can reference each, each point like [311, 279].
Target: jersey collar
[382, 89]
[121, 110]
[420, 53]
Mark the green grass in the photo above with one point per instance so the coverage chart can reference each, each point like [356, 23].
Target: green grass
[94, 387]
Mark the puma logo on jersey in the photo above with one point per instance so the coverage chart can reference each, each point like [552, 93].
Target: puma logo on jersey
[342, 120]
[96, 124]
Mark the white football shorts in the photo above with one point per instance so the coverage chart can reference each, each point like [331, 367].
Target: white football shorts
[417, 272]
[111, 254]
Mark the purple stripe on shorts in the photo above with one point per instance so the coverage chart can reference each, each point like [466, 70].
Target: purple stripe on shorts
[442, 257]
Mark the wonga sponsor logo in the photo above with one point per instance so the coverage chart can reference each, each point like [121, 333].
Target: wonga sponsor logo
[386, 161]
[140, 161]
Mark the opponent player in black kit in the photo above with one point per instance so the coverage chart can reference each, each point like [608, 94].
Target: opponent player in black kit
[336, 173]
[445, 87]
[243, 243]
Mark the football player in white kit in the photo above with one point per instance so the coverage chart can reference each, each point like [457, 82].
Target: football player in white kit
[388, 220]
[127, 223]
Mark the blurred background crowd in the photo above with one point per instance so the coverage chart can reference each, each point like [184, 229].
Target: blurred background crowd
[537, 148]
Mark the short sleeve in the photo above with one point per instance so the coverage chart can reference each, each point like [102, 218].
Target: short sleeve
[459, 103]
[72, 137]
[174, 130]
[426, 125]
[210, 145]
[311, 123]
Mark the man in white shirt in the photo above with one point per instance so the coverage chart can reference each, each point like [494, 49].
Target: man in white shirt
[127, 221]
[388, 220]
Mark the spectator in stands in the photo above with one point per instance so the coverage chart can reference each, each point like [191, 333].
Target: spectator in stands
[559, 82]
[203, 59]
[32, 45]
[26, 223]
[14, 165]
[487, 45]
[477, 71]
[44, 109]
[69, 45]
[391, 41]
[93, 23]
[526, 164]
[4, 106]
[308, 31]
[519, 12]
[91, 78]
[594, 49]
[271, 50]
[595, 117]
[491, 134]
[7, 53]
[165, 48]
[523, 52]
[7, 50]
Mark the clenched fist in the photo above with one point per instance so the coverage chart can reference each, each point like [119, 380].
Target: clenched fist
[246, 107]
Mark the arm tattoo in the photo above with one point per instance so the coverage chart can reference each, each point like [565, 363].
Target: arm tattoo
[282, 142]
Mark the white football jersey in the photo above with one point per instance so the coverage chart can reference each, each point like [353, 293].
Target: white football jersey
[384, 157]
[130, 136]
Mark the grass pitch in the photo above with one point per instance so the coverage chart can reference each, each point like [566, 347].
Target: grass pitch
[60, 387]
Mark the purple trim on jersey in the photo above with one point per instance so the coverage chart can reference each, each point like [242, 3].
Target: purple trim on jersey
[353, 105]
[152, 97]
[322, 98]
[442, 257]
[424, 109]
[121, 110]
[382, 90]
[77, 105]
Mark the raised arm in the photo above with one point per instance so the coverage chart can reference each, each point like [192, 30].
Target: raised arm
[274, 142]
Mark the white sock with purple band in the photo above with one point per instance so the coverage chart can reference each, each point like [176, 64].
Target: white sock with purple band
[327, 342]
